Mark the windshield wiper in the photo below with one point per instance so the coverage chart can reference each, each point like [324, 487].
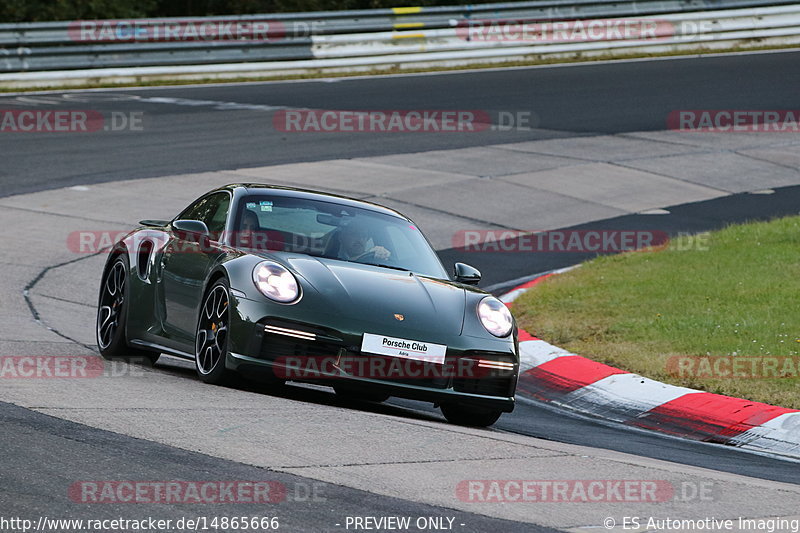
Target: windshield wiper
[393, 267]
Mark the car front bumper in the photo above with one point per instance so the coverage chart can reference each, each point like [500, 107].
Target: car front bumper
[478, 371]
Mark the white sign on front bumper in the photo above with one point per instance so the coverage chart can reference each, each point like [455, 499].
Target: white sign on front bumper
[405, 348]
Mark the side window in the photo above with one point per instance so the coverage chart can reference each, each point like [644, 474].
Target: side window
[213, 210]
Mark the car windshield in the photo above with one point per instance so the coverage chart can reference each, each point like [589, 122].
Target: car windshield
[335, 231]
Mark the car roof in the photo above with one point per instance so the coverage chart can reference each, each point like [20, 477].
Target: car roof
[293, 192]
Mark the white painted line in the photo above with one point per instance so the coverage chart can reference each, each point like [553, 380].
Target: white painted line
[509, 297]
[517, 292]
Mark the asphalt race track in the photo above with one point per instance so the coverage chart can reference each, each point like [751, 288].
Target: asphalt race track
[601, 121]
[79, 446]
[184, 137]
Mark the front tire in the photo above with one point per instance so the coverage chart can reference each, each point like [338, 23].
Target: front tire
[470, 416]
[211, 340]
[112, 316]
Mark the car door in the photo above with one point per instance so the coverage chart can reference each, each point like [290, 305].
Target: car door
[185, 263]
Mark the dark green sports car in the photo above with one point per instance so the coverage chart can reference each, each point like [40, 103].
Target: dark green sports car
[286, 284]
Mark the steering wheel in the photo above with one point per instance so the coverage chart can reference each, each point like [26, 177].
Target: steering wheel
[368, 253]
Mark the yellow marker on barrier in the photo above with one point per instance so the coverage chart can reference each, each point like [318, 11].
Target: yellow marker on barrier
[404, 25]
[408, 36]
[406, 10]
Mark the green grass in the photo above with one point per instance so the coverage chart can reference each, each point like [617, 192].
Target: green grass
[737, 294]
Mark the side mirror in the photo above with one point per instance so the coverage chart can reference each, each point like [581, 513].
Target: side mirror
[467, 274]
[195, 229]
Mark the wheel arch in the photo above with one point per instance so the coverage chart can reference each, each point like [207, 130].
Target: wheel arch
[117, 251]
[119, 346]
[216, 275]
[238, 272]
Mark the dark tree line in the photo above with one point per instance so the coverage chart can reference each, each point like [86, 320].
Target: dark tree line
[44, 10]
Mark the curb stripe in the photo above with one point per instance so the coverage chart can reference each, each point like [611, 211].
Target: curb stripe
[622, 397]
[535, 352]
[552, 374]
[533, 282]
[579, 370]
[707, 416]
[781, 434]
[512, 295]
[557, 377]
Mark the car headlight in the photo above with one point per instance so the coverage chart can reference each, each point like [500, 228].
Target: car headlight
[275, 282]
[495, 316]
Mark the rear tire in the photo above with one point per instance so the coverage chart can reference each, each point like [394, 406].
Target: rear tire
[211, 339]
[470, 416]
[112, 317]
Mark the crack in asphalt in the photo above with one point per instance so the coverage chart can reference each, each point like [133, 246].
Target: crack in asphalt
[246, 178]
[763, 160]
[91, 306]
[442, 211]
[63, 215]
[26, 294]
[429, 461]
[26, 341]
[621, 164]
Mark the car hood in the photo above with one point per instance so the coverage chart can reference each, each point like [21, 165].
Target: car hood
[371, 296]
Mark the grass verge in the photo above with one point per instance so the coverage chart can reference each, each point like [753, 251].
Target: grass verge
[719, 313]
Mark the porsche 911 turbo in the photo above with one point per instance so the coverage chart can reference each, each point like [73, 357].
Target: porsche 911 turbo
[284, 284]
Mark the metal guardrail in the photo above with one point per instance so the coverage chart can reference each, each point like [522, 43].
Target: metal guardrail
[668, 29]
[242, 45]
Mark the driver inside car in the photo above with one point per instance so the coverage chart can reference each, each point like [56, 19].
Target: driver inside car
[251, 235]
[355, 244]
